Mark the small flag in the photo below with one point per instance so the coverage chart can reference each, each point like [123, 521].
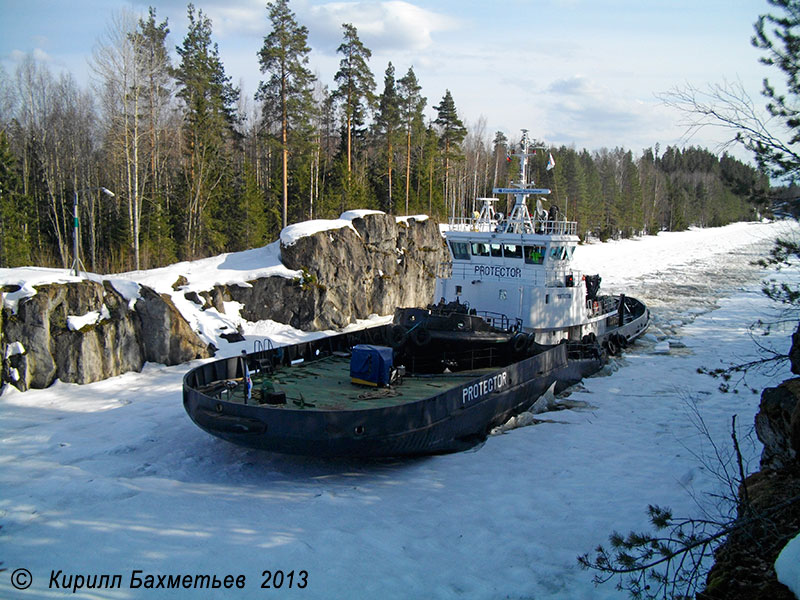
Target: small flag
[508, 158]
[551, 163]
[248, 381]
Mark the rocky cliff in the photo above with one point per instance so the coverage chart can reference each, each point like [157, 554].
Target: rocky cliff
[769, 509]
[370, 266]
[49, 337]
[348, 274]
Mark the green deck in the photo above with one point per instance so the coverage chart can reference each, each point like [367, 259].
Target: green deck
[324, 384]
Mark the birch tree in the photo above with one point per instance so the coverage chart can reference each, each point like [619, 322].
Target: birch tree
[123, 82]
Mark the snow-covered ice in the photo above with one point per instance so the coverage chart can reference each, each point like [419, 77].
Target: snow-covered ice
[113, 477]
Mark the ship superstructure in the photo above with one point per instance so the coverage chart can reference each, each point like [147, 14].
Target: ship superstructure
[521, 266]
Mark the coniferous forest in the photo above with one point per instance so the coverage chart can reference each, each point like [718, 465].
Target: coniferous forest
[197, 169]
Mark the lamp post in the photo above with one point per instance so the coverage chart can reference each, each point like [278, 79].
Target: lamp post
[77, 264]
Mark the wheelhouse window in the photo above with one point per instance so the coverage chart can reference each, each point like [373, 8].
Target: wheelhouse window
[479, 249]
[460, 250]
[557, 253]
[512, 251]
[561, 252]
[534, 255]
[496, 250]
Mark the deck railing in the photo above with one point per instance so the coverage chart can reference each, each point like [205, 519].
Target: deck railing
[544, 227]
[602, 305]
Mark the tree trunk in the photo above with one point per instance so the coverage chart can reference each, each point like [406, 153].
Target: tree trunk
[408, 164]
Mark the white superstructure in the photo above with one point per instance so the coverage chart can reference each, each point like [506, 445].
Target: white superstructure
[521, 266]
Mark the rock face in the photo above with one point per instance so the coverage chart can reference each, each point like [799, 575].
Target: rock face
[778, 425]
[41, 346]
[170, 339]
[347, 275]
[744, 564]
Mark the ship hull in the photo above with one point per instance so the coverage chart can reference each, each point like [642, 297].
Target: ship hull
[450, 420]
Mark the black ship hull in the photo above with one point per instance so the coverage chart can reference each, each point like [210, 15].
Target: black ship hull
[453, 418]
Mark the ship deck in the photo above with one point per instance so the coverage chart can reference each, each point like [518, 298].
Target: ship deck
[324, 384]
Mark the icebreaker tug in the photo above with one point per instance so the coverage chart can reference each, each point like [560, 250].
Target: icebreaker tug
[512, 320]
[515, 274]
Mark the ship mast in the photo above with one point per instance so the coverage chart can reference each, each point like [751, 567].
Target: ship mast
[520, 219]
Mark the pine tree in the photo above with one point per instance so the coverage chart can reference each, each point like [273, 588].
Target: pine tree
[427, 172]
[500, 150]
[412, 105]
[651, 186]
[250, 230]
[556, 179]
[210, 101]
[15, 243]
[632, 220]
[452, 133]
[777, 35]
[591, 213]
[387, 125]
[356, 91]
[287, 95]
[576, 191]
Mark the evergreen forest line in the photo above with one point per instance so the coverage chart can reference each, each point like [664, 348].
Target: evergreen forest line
[196, 169]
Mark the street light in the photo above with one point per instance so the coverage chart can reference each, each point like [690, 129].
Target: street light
[77, 264]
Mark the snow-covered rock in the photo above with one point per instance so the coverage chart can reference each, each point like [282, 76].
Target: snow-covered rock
[321, 275]
[85, 330]
[371, 265]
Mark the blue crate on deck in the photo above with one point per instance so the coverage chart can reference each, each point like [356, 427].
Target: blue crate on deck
[371, 365]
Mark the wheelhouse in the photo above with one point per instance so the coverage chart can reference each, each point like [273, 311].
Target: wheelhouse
[520, 265]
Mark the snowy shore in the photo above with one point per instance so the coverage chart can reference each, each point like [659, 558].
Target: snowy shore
[113, 478]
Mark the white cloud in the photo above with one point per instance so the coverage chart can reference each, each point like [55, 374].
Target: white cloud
[581, 109]
[577, 85]
[39, 55]
[393, 24]
[248, 18]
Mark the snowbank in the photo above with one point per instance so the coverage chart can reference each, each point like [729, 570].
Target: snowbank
[349, 215]
[404, 219]
[225, 269]
[787, 566]
[292, 233]
[27, 278]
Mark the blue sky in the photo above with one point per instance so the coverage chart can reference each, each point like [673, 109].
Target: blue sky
[582, 72]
